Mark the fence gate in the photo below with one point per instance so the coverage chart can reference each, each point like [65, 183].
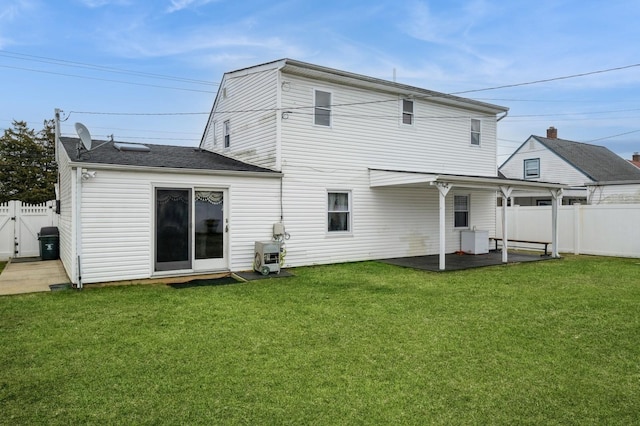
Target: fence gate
[19, 227]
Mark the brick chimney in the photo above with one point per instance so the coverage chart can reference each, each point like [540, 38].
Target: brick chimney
[552, 133]
[636, 157]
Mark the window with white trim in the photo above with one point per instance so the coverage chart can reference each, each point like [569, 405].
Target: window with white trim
[475, 131]
[461, 211]
[532, 168]
[407, 111]
[226, 128]
[322, 108]
[338, 211]
[215, 133]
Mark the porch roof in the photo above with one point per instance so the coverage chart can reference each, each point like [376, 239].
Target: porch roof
[387, 178]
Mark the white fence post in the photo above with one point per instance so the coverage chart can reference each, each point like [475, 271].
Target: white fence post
[577, 228]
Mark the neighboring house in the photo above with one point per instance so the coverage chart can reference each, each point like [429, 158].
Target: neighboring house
[353, 167]
[594, 174]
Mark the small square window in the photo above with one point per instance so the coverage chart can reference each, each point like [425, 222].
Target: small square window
[532, 168]
[407, 111]
[475, 131]
[461, 211]
[338, 212]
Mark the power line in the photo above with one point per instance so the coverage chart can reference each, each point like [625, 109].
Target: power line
[106, 79]
[549, 79]
[61, 62]
[613, 136]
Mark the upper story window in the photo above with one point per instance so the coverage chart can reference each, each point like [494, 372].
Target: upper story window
[407, 111]
[475, 131]
[338, 212]
[322, 110]
[215, 133]
[461, 211]
[532, 168]
[226, 129]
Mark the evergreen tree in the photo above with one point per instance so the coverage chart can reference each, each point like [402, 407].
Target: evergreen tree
[27, 165]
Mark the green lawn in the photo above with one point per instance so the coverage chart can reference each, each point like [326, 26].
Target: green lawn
[554, 342]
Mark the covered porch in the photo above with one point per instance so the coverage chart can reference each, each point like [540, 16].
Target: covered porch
[443, 183]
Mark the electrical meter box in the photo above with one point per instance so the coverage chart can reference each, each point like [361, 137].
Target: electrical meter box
[267, 257]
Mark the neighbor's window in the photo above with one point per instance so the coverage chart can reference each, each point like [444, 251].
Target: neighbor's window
[322, 111]
[461, 211]
[227, 134]
[407, 111]
[338, 212]
[532, 168]
[475, 131]
[215, 133]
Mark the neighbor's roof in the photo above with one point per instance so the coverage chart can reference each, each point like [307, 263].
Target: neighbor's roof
[161, 156]
[596, 162]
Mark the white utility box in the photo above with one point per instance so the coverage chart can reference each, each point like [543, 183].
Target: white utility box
[474, 241]
[267, 258]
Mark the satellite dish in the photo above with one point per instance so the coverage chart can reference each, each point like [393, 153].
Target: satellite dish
[84, 135]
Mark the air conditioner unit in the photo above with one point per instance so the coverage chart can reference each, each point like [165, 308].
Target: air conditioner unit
[267, 257]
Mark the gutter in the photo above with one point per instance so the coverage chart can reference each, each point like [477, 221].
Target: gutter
[207, 172]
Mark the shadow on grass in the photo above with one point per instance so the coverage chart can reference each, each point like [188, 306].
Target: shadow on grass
[205, 283]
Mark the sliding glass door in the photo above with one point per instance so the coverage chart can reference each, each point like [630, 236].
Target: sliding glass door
[190, 229]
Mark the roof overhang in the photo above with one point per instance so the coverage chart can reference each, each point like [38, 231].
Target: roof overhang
[379, 178]
[176, 170]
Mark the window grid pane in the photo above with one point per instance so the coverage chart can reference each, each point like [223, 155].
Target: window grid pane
[461, 211]
[475, 131]
[322, 110]
[338, 214]
[407, 111]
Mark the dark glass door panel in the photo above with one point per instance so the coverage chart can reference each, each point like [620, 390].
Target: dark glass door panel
[173, 240]
[209, 224]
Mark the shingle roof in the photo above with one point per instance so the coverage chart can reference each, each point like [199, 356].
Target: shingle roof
[162, 156]
[596, 162]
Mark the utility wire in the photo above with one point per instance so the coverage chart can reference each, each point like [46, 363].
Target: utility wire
[548, 79]
[106, 79]
[25, 57]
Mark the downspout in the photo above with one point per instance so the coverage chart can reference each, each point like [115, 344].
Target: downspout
[78, 225]
[504, 116]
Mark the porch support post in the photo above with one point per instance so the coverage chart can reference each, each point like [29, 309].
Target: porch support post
[556, 195]
[443, 189]
[505, 191]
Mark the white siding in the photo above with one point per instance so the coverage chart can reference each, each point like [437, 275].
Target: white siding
[615, 194]
[387, 222]
[552, 168]
[249, 103]
[117, 219]
[67, 213]
[367, 132]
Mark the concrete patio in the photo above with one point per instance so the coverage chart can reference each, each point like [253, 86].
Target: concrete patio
[31, 276]
[457, 262]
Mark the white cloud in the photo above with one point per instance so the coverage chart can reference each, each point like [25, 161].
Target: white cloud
[99, 3]
[178, 5]
[10, 10]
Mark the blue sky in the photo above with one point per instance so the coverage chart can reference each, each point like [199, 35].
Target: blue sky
[124, 56]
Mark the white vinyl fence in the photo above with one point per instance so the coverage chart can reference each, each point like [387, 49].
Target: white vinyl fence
[606, 229]
[19, 227]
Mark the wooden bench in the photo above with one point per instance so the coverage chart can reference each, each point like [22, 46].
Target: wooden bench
[545, 243]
